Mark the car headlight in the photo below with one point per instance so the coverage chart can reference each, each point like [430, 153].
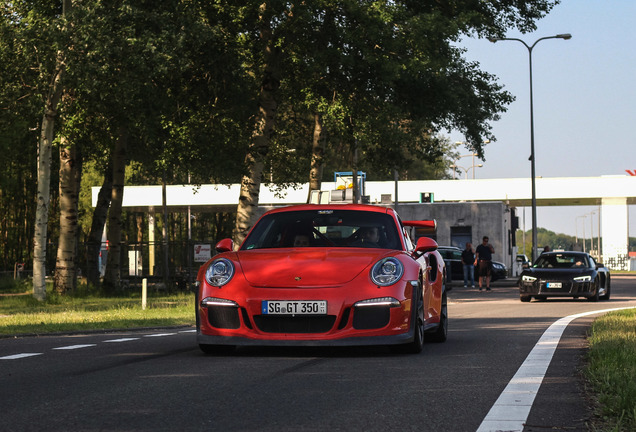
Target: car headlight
[526, 278]
[497, 266]
[586, 278]
[219, 272]
[387, 271]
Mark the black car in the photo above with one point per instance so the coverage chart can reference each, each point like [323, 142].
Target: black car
[455, 269]
[565, 274]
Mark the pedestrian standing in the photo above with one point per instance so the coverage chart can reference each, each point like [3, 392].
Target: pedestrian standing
[483, 259]
[468, 260]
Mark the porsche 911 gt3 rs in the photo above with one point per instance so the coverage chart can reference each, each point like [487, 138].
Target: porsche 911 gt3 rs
[324, 275]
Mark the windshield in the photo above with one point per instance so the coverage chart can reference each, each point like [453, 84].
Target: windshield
[562, 260]
[324, 228]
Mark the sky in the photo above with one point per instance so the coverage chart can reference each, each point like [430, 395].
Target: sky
[584, 97]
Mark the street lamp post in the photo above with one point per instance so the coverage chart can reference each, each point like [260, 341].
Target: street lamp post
[454, 166]
[591, 233]
[577, 224]
[564, 36]
[473, 168]
[472, 154]
[466, 169]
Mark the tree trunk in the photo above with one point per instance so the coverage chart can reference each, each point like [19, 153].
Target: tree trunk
[44, 172]
[44, 181]
[317, 155]
[263, 128]
[94, 243]
[112, 277]
[70, 173]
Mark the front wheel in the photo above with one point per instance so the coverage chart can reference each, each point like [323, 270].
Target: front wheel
[441, 333]
[595, 296]
[525, 298]
[416, 346]
[606, 296]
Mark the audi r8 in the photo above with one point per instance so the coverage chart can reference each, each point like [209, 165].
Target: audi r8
[565, 274]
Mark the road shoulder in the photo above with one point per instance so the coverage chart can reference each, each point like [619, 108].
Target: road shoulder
[563, 386]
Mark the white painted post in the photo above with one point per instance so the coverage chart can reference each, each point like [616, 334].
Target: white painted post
[144, 293]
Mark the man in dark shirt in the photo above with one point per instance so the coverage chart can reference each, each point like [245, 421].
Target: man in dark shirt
[468, 260]
[483, 259]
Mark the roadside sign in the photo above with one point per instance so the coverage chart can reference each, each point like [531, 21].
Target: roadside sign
[202, 252]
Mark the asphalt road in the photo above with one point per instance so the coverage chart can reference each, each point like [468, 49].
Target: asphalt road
[160, 381]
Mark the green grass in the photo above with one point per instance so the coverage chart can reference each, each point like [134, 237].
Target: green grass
[611, 369]
[85, 310]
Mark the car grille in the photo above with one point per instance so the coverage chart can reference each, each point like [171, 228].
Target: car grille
[224, 317]
[294, 324]
[372, 317]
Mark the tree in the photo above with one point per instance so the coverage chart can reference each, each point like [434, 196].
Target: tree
[395, 75]
[70, 175]
[98, 221]
[263, 122]
[44, 168]
[21, 90]
[238, 91]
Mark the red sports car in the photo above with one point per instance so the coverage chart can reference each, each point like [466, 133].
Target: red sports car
[324, 275]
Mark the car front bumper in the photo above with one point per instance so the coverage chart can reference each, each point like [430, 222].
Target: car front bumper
[568, 288]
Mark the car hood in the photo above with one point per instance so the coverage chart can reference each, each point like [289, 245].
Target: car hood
[310, 267]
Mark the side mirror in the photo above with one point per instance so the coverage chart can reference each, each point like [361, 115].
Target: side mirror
[599, 265]
[425, 244]
[225, 245]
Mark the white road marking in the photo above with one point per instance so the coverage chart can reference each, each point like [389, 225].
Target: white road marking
[511, 410]
[121, 340]
[72, 347]
[19, 356]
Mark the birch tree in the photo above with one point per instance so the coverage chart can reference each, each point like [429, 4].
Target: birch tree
[44, 169]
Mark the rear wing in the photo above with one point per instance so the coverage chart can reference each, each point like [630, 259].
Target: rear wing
[421, 223]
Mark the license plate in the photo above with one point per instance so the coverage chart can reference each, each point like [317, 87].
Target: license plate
[294, 307]
[554, 285]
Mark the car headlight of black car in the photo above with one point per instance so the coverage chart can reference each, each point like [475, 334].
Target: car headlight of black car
[219, 272]
[586, 278]
[527, 278]
[497, 266]
[387, 271]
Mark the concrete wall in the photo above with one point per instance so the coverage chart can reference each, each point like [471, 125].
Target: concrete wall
[490, 219]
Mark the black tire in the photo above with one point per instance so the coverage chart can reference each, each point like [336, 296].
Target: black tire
[217, 349]
[525, 298]
[417, 344]
[441, 332]
[606, 296]
[594, 297]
